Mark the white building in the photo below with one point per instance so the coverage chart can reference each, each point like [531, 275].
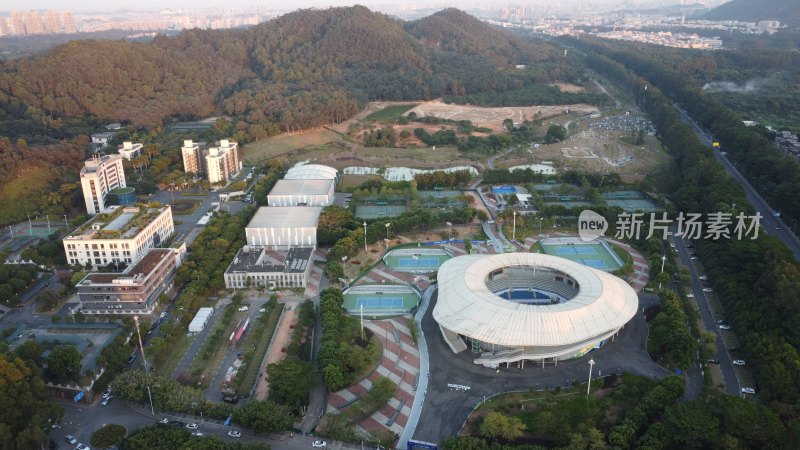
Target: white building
[200, 320]
[101, 139]
[120, 236]
[301, 193]
[283, 227]
[222, 162]
[129, 150]
[312, 172]
[276, 269]
[98, 176]
[194, 157]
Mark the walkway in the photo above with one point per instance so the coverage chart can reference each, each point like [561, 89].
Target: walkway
[400, 363]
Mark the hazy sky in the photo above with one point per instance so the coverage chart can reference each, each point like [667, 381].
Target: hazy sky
[155, 5]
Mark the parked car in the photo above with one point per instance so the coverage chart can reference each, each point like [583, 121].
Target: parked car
[708, 290]
[192, 426]
[197, 433]
[738, 362]
[748, 390]
[235, 433]
[713, 361]
[163, 314]
[732, 349]
[164, 421]
[262, 310]
[689, 295]
[243, 308]
[106, 401]
[702, 278]
[723, 326]
[71, 439]
[177, 424]
[693, 258]
[82, 447]
[319, 444]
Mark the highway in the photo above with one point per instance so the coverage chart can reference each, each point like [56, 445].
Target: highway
[725, 361]
[773, 225]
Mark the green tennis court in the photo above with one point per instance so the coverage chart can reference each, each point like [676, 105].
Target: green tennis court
[595, 254]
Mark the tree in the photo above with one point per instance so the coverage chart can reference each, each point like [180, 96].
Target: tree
[27, 411]
[289, 382]
[555, 133]
[63, 364]
[508, 124]
[264, 416]
[498, 426]
[333, 271]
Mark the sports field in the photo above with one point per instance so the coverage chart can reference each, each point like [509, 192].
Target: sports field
[417, 260]
[595, 254]
[380, 300]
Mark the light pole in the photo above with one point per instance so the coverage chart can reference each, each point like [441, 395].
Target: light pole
[66, 224]
[365, 237]
[48, 223]
[663, 260]
[11, 230]
[589, 386]
[387, 225]
[514, 231]
[30, 225]
[541, 219]
[344, 267]
[449, 232]
[144, 362]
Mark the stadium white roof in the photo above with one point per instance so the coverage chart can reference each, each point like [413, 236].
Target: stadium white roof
[311, 172]
[302, 187]
[466, 306]
[285, 217]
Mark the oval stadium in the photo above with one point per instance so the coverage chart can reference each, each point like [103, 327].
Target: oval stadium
[519, 307]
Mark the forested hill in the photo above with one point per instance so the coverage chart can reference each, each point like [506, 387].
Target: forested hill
[786, 11]
[301, 70]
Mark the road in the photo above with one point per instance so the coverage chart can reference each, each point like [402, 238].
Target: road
[725, 361]
[444, 410]
[773, 225]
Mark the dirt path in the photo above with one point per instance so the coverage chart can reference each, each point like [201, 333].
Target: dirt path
[275, 354]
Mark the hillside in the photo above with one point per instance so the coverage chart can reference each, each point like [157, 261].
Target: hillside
[786, 11]
[301, 70]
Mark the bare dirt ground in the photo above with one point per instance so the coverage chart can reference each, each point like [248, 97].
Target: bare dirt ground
[275, 351]
[493, 117]
[566, 87]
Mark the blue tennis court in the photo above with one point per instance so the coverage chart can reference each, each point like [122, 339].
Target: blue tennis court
[418, 262]
[379, 302]
[524, 295]
[575, 250]
[594, 263]
[504, 189]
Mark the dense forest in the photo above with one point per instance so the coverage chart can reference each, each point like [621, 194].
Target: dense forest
[786, 11]
[301, 70]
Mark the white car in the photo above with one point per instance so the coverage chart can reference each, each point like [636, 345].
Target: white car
[71, 439]
[693, 258]
[198, 434]
[702, 278]
[82, 447]
[243, 308]
[106, 401]
[738, 362]
[708, 290]
[724, 327]
[262, 310]
[191, 426]
[163, 314]
[235, 433]
[164, 421]
[690, 295]
[748, 390]
[319, 444]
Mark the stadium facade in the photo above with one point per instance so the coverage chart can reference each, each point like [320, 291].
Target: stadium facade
[518, 307]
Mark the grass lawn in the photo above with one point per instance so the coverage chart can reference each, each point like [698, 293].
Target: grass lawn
[184, 207]
[209, 367]
[255, 346]
[174, 358]
[284, 143]
[390, 113]
[351, 181]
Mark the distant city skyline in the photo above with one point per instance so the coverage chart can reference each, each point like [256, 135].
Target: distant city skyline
[155, 5]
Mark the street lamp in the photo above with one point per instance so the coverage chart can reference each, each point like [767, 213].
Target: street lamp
[144, 362]
[449, 232]
[663, 260]
[589, 386]
[514, 232]
[30, 225]
[365, 236]
[344, 266]
[541, 219]
[387, 225]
